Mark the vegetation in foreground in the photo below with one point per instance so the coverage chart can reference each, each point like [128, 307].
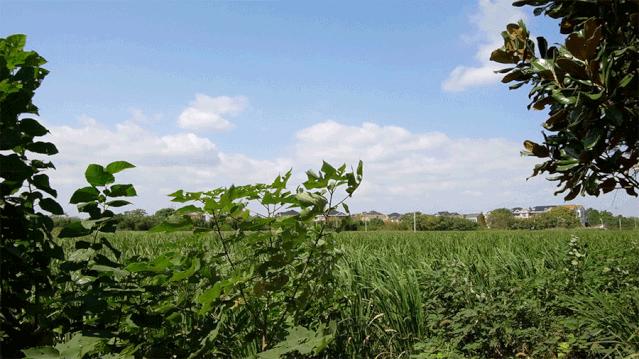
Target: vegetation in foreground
[553, 293]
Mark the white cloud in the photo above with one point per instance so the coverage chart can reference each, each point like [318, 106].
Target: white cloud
[489, 22]
[403, 170]
[208, 113]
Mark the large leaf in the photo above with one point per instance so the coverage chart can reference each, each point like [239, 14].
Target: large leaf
[74, 229]
[41, 353]
[184, 225]
[51, 206]
[96, 175]
[32, 127]
[122, 190]
[78, 346]
[85, 194]
[46, 148]
[117, 166]
[299, 340]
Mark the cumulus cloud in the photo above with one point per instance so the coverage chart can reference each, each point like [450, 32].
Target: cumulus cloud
[209, 113]
[489, 22]
[403, 170]
[424, 171]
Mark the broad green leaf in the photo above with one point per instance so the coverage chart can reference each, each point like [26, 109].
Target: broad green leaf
[328, 170]
[177, 276]
[96, 175]
[557, 95]
[85, 194]
[309, 198]
[32, 127]
[51, 206]
[118, 203]
[41, 182]
[13, 168]
[41, 353]
[46, 148]
[78, 346]
[168, 227]
[209, 296]
[117, 166]
[299, 340]
[188, 210]
[108, 269]
[122, 190]
[74, 229]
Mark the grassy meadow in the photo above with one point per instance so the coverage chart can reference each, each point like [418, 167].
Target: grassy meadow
[555, 293]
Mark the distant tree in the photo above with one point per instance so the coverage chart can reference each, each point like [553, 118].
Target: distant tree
[136, 220]
[557, 217]
[595, 217]
[61, 221]
[164, 213]
[501, 218]
[481, 220]
[590, 84]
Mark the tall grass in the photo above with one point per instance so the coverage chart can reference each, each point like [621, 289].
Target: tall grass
[472, 294]
[490, 294]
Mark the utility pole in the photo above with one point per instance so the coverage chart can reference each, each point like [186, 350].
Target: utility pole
[365, 226]
[619, 222]
[414, 221]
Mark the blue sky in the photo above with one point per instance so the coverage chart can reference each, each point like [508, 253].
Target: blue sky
[202, 94]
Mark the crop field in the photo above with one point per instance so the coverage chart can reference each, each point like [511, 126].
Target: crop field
[555, 293]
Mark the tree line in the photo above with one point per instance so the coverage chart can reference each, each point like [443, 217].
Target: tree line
[501, 218]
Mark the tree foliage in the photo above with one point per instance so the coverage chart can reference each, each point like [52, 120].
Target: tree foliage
[590, 85]
[26, 245]
[426, 222]
[500, 218]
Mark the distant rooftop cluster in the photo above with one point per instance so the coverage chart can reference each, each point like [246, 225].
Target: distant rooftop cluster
[518, 212]
[529, 212]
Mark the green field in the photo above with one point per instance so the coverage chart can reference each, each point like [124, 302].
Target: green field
[542, 294]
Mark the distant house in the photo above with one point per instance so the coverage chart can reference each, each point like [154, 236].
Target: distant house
[367, 216]
[196, 216]
[289, 213]
[474, 217]
[520, 212]
[540, 209]
[332, 216]
[394, 217]
[580, 211]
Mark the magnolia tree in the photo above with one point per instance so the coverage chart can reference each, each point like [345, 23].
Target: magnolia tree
[590, 86]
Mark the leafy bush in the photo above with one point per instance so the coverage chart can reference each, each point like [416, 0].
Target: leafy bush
[255, 293]
[590, 85]
[26, 245]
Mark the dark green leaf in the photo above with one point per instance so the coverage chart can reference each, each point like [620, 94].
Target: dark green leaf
[32, 127]
[122, 190]
[41, 182]
[118, 203]
[51, 206]
[168, 227]
[46, 148]
[85, 194]
[13, 168]
[41, 353]
[74, 229]
[115, 167]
